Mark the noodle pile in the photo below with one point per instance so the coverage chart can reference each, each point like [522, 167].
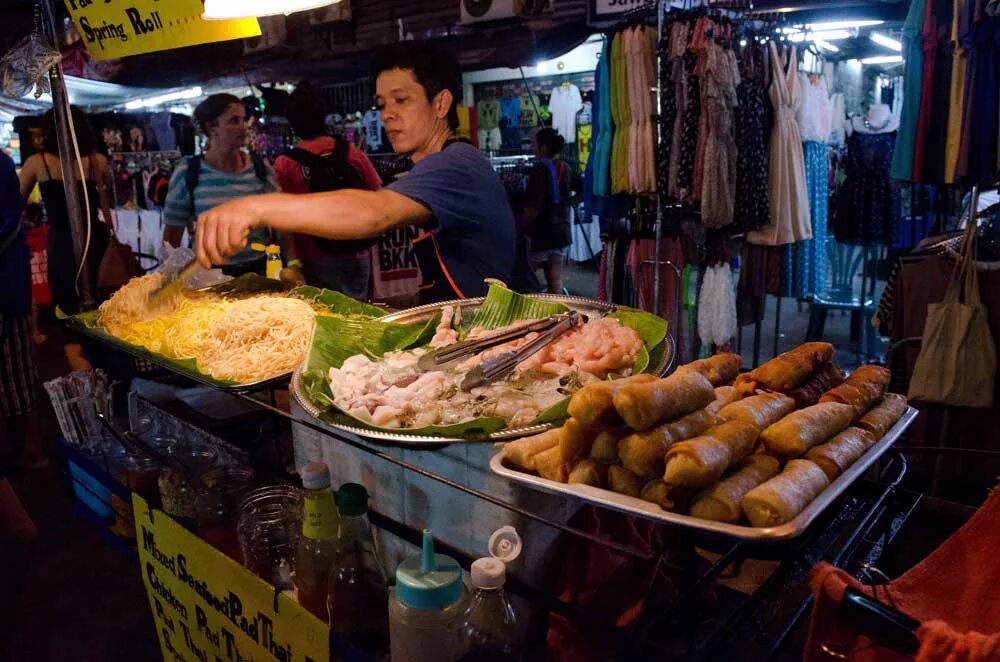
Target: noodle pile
[258, 337]
[234, 340]
[131, 303]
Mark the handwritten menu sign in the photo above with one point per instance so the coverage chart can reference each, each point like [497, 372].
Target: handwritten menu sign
[117, 28]
[209, 608]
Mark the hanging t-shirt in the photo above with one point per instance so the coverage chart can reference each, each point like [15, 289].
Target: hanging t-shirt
[464, 123]
[564, 103]
[583, 136]
[584, 116]
[529, 117]
[372, 123]
[510, 111]
[488, 114]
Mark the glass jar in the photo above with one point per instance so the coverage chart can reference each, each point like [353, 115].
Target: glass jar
[177, 496]
[217, 506]
[142, 474]
[269, 526]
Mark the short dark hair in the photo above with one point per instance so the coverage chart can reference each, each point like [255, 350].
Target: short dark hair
[550, 139]
[433, 67]
[212, 108]
[86, 138]
[305, 112]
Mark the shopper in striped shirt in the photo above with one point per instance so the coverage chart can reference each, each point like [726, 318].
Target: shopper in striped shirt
[225, 170]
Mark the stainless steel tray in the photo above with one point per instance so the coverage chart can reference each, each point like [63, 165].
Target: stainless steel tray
[422, 314]
[652, 511]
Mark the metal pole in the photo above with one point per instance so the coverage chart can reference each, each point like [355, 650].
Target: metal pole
[68, 161]
[659, 141]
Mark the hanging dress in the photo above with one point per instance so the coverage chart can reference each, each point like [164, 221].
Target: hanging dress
[720, 76]
[751, 210]
[787, 175]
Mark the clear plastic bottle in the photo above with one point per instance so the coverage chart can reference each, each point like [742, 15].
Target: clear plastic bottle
[358, 591]
[318, 544]
[489, 625]
[426, 607]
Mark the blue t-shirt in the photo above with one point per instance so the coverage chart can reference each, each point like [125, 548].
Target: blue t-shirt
[473, 223]
[510, 110]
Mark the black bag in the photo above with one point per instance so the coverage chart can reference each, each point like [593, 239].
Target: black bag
[332, 172]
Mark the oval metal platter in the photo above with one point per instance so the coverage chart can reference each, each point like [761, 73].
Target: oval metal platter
[589, 307]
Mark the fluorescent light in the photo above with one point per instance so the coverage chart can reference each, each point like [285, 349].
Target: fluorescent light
[841, 25]
[826, 35]
[826, 46]
[226, 9]
[888, 42]
[883, 59]
[542, 67]
[189, 93]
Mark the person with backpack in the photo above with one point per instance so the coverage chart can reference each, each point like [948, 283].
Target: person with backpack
[223, 171]
[318, 163]
[551, 188]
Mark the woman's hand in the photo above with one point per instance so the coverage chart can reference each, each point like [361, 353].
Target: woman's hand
[223, 230]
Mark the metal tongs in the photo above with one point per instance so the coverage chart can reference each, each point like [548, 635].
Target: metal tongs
[501, 365]
[439, 358]
[175, 283]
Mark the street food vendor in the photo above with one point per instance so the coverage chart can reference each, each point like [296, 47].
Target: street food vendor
[452, 192]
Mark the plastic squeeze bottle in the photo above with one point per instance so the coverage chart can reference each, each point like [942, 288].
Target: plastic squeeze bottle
[489, 625]
[273, 265]
[426, 607]
[358, 588]
[317, 545]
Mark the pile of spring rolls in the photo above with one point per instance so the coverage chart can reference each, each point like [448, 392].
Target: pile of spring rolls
[719, 445]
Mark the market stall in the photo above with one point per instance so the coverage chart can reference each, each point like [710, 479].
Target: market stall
[581, 478]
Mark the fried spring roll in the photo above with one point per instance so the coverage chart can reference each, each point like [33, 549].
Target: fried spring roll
[521, 452]
[862, 390]
[719, 369]
[836, 455]
[671, 498]
[642, 406]
[824, 379]
[883, 416]
[786, 372]
[588, 472]
[623, 481]
[724, 395]
[701, 461]
[575, 441]
[550, 466]
[786, 495]
[721, 502]
[593, 406]
[759, 410]
[605, 446]
[801, 430]
[644, 453]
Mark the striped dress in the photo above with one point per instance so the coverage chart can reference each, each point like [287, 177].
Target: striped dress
[214, 188]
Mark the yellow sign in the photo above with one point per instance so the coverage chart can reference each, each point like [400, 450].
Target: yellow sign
[209, 608]
[116, 28]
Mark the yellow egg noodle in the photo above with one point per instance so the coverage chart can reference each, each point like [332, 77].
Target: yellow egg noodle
[241, 340]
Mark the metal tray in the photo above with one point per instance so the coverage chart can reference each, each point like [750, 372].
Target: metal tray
[422, 314]
[652, 511]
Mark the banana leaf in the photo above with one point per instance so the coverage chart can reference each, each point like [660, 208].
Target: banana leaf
[337, 339]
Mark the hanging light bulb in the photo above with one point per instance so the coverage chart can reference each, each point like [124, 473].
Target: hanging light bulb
[228, 9]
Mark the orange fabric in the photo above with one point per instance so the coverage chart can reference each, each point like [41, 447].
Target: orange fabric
[939, 643]
[613, 590]
[958, 583]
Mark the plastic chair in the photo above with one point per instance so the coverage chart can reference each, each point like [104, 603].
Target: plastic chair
[842, 294]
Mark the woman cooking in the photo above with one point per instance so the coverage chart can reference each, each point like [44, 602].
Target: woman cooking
[225, 170]
[451, 193]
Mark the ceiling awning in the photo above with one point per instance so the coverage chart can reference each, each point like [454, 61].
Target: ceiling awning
[88, 94]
